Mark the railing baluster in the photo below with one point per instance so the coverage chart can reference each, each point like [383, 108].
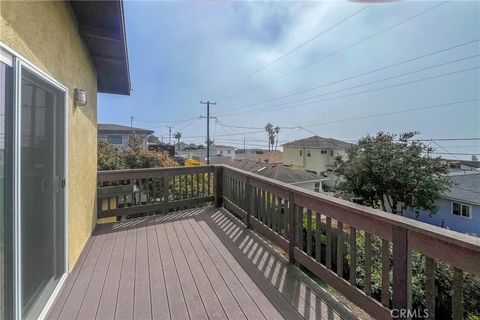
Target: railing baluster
[385, 272]
[285, 218]
[291, 226]
[328, 257]
[340, 249]
[299, 225]
[430, 287]
[309, 232]
[353, 256]
[368, 264]
[457, 296]
[318, 236]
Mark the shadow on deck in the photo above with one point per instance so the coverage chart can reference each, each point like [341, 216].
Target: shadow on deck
[193, 264]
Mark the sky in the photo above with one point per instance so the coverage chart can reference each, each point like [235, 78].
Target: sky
[336, 69]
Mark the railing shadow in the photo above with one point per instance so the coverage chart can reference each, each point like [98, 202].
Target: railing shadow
[280, 281]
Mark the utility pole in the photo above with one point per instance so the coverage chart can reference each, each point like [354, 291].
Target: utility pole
[131, 124]
[208, 103]
[169, 134]
[244, 149]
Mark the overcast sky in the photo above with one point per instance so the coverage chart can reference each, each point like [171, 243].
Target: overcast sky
[182, 52]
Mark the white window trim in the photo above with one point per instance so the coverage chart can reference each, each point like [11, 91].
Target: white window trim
[18, 62]
[461, 204]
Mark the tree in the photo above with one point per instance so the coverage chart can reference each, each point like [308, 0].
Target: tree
[178, 136]
[393, 173]
[276, 130]
[474, 157]
[109, 157]
[271, 135]
[153, 139]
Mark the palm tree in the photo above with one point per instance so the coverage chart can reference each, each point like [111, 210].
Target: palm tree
[276, 130]
[269, 130]
[178, 136]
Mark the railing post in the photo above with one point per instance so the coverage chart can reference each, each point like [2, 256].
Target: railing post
[218, 186]
[291, 227]
[250, 203]
[401, 270]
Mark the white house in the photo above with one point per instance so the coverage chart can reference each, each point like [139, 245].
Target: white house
[313, 154]
[118, 135]
[222, 151]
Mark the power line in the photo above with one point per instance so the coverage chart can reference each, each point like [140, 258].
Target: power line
[372, 82]
[340, 50]
[274, 108]
[292, 50]
[445, 149]
[164, 121]
[361, 74]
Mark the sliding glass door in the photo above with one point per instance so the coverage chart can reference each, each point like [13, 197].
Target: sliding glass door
[42, 222]
[6, 159]
[32, 188]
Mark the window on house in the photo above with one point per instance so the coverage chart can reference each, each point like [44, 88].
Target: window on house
[317, 187]
[461, 210]
[309, 153]
[114, 138]
[300, 153]
[323, 151]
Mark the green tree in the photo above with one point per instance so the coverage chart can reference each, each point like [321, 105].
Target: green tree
[276, 130]
[393, 172]
[109, 157]
[178, 136]
[153, 139]
[474, 157]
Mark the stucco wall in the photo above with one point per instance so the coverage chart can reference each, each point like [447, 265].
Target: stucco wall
[444, 216]
[291, 156]
[46, 35]
[317, 161]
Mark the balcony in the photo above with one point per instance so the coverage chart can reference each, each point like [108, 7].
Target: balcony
[218, 242]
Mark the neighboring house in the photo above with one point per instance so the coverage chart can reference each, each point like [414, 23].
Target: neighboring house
[54, 58]
[299, 178]
[197, 154]
[225, 151]
[271, 157]
[118, 135]
[313, 154]
[459, 208]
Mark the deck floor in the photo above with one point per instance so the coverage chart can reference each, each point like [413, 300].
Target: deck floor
[193, 264]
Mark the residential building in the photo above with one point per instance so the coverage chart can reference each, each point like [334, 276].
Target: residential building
[459, 208]
[313, 154]
[118, 135]
[296, 177]
[222, 151]
[54, 58]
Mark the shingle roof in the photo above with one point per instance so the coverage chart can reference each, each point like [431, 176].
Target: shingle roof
[106, 127]
[318, 142]
[466, 188]
[277, 172]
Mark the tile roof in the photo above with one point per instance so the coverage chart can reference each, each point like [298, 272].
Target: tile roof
[278, 172]
[318, 142]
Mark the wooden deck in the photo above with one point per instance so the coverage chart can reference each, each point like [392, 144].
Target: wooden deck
[193, 264]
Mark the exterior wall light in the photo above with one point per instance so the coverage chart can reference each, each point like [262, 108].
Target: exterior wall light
[80, 97]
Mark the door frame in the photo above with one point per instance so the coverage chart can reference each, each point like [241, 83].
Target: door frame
[20, 62]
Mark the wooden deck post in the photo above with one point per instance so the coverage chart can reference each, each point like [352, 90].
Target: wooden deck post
[401, 269]
[291, 227]
[218, 186]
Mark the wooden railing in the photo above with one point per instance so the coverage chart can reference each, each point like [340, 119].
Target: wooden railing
[332, 238]
[149, 191]
[323, 234]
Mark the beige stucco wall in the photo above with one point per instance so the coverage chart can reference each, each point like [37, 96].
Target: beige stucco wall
[317, 161]
[46, 35]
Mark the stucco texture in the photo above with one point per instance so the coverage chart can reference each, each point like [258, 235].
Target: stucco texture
[45, 33]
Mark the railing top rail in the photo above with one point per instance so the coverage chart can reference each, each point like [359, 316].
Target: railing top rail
[452, 237]
[124, 174]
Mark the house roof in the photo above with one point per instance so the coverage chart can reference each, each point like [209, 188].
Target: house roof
[272, 157]
[106, 127]
[101, 24]
[277, 172]
[466, 188]
[218, 146]
[318, 142]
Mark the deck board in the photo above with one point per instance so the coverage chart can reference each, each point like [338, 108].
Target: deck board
[192, 264]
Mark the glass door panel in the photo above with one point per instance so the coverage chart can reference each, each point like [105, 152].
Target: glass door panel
[41, 196]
